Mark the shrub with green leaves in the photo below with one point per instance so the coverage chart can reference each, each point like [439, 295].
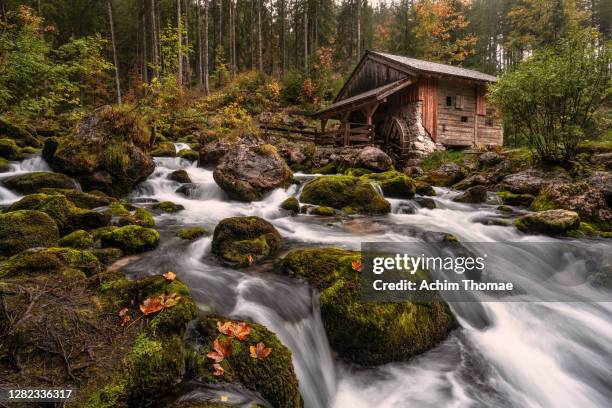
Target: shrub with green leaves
[552, 96]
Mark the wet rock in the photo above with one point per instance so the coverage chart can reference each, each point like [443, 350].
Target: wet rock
[425, 202]
[490, 158]
[211, 153]
[445, 175]
[107, 256]
[476, 194]
[373, 158]
[29, 183]
[140, 216]
[188, 154]
[291, 204]
[393, 183]
[108, 152]
[323, 211]
[365, 333]
[516, 199]
[532, 180]
[180, 176]
[298, 156]
[20, 230]
[79, 239]
[345, 191]
[471, 181]
[22, 134]
[423, 188]
[248, 173]
[168, 207]
[413, 171]
[49, 149]
[272, 377]
[9, 149]
[5, 165]
[66, 215]
[191, 233]
[36, 261]
[131, 239]
[82, 200]
[163, 149]
[505, 209]
[550, 222]
[245, 240]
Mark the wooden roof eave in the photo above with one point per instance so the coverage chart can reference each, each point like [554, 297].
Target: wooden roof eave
[331, 112]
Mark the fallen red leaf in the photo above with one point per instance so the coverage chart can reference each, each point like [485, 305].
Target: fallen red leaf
[237, 330]
[218, 370]
[356, 265]
[222, 350]
[151, 305]
[260, 351]
[123, 312]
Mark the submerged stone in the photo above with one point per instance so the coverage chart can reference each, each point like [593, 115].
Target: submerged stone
[550, 222]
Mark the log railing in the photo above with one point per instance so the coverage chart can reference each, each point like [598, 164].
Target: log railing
[352, 133]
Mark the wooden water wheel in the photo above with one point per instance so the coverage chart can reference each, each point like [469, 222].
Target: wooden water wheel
[393, 134]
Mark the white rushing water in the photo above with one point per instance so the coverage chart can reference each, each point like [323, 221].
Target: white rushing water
[505, 354]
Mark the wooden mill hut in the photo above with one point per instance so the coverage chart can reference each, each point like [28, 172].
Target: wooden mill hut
[410, 107]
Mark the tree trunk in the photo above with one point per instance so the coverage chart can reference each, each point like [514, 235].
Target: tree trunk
[283, 55]
[179, 75]
[186, 62]
[205, 49]
[220, 23]
[259, 39]
[233, 45]
[199, 36]
[145, 57]
[154, 39]
[306, 38]
[112, 30]
[358, 29]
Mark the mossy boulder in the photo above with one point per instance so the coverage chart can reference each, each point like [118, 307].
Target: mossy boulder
[446, 175]
[189, 154]
[191, 233]
[140, 216]
[516, 199]
[367, 333]
[473, 195]
[247, 173]
[324, 211]
[425, 202]
[79, 239]
[66, 215]
[20, 230]
[244, 240]
[30, 183]
[107, 152]
[345, 191]
[81, 199]
[131, 239]
[168, 207]
[107, 255]
[393, 183]
[5, 165]
[9, 149]
[180, 176]
[49, 148]
[423, 188]
[272, 377]
[47, 260]
[291, 204]
[163, 149]
[550, 222]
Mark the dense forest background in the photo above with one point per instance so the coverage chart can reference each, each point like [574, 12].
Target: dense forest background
[61, 57]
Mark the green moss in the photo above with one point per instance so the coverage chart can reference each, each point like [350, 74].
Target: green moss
[344, 191]
[131, 239]
[291, 204]
[357, 172]
[144, 218]
[79, 239]
[366, 333]
[20, 230]
[450, 238]
[30, 183]
[179, 176]
[191, 233]
[243, 240]
[423, 188]
[163, 149]
[9, 149]
[107, 255]
[66, 215]
[516, 199]
[168, 207]
[5, 165]
[189, 154]
[79, 198]
[117, 209]
[329, 168]
[37, 261]
[436, 159]
[393, 183]
[324, 211]
[543, 203]
[273, 377]
[551, 222]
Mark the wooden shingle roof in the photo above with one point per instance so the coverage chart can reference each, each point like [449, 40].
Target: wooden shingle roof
[436, 68]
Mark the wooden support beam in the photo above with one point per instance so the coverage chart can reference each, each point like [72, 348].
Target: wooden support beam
[368, 112]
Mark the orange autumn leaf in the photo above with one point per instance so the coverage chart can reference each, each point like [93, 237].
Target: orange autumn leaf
[169, 276]
[170, 300]
[356, 265]
[222, 350]
[218, 370]
[151, 305]
[250, 259]
[126, 319]
[237, 330]
[260, 351]
[123, 312]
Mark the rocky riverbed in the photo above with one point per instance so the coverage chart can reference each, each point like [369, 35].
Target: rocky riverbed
[261, 242]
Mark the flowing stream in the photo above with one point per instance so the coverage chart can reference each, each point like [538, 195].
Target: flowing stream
[505, 354]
